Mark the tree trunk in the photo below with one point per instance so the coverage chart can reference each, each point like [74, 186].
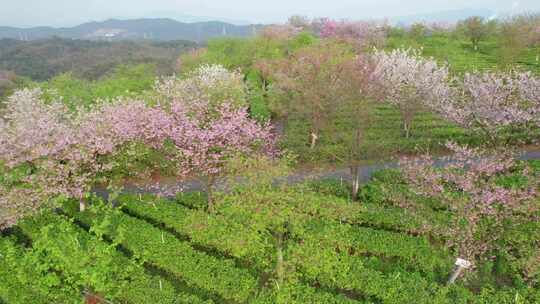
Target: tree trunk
[314, 138]
[209, 192]
[355, 176]
[90, 298]
[82, 205]
[406, 128]
[354, 163]
[461, 264]
[455, 275]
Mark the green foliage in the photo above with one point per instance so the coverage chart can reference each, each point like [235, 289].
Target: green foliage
[74, 92]
[229, 238]
[519, 265]
[382, 137]
[300, 293]
[417, 252]
[302, 40]
[235, 53]
[163, 250]
[9, 83]
[349, 272]
[258, 106]
[25, 279]
[89, 263]
[124, 81]
[334, 251]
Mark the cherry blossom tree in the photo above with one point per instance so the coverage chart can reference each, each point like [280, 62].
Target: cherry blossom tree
[17, 202]
[467, 184]
[280, 32]
[69, 153]
[32, 129]
[29, 130]
[101, 133]
[529, 87]
[417, 31]
[309, 84]
[475, 29]
[211, 123]
[410, 82]
[493, 103]
[441, 26]
[354, 108]
[203, 149]
[514, 34]
[204, 88]
[361, 34]
[300, 22]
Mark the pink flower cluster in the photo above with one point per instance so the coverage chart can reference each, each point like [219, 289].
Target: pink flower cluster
[280, 32]
[203, 90]
[410, 82]
[69, 152]
[32, 129]
[467, 185]
[492, 102]
[406, 77]
[486, 102]
[529, 89]
[360, 33]
[203, 148]
[67, 149]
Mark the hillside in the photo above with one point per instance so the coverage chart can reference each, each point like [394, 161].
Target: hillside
[43, 59]
[135, 29]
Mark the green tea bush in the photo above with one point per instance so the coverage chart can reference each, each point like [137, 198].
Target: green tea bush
[163, 250]
[24, 278]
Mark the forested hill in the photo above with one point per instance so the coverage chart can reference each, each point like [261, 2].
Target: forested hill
[43, 59]
[136, 29]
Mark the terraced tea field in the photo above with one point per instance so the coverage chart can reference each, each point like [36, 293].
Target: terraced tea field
[152, 250]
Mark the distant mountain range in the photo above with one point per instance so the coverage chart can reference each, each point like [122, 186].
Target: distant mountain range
[182, 17]
[197, 29]
[162, 29]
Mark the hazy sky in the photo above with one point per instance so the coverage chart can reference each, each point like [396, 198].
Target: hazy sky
[71, 12]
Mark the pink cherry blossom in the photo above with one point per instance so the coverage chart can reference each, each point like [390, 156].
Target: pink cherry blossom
[410, 82]
[69, 153]
[493, 102]
[467, 185]
[361, 34]
[203, 148]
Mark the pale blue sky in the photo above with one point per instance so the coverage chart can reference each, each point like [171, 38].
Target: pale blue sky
[70, 12]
